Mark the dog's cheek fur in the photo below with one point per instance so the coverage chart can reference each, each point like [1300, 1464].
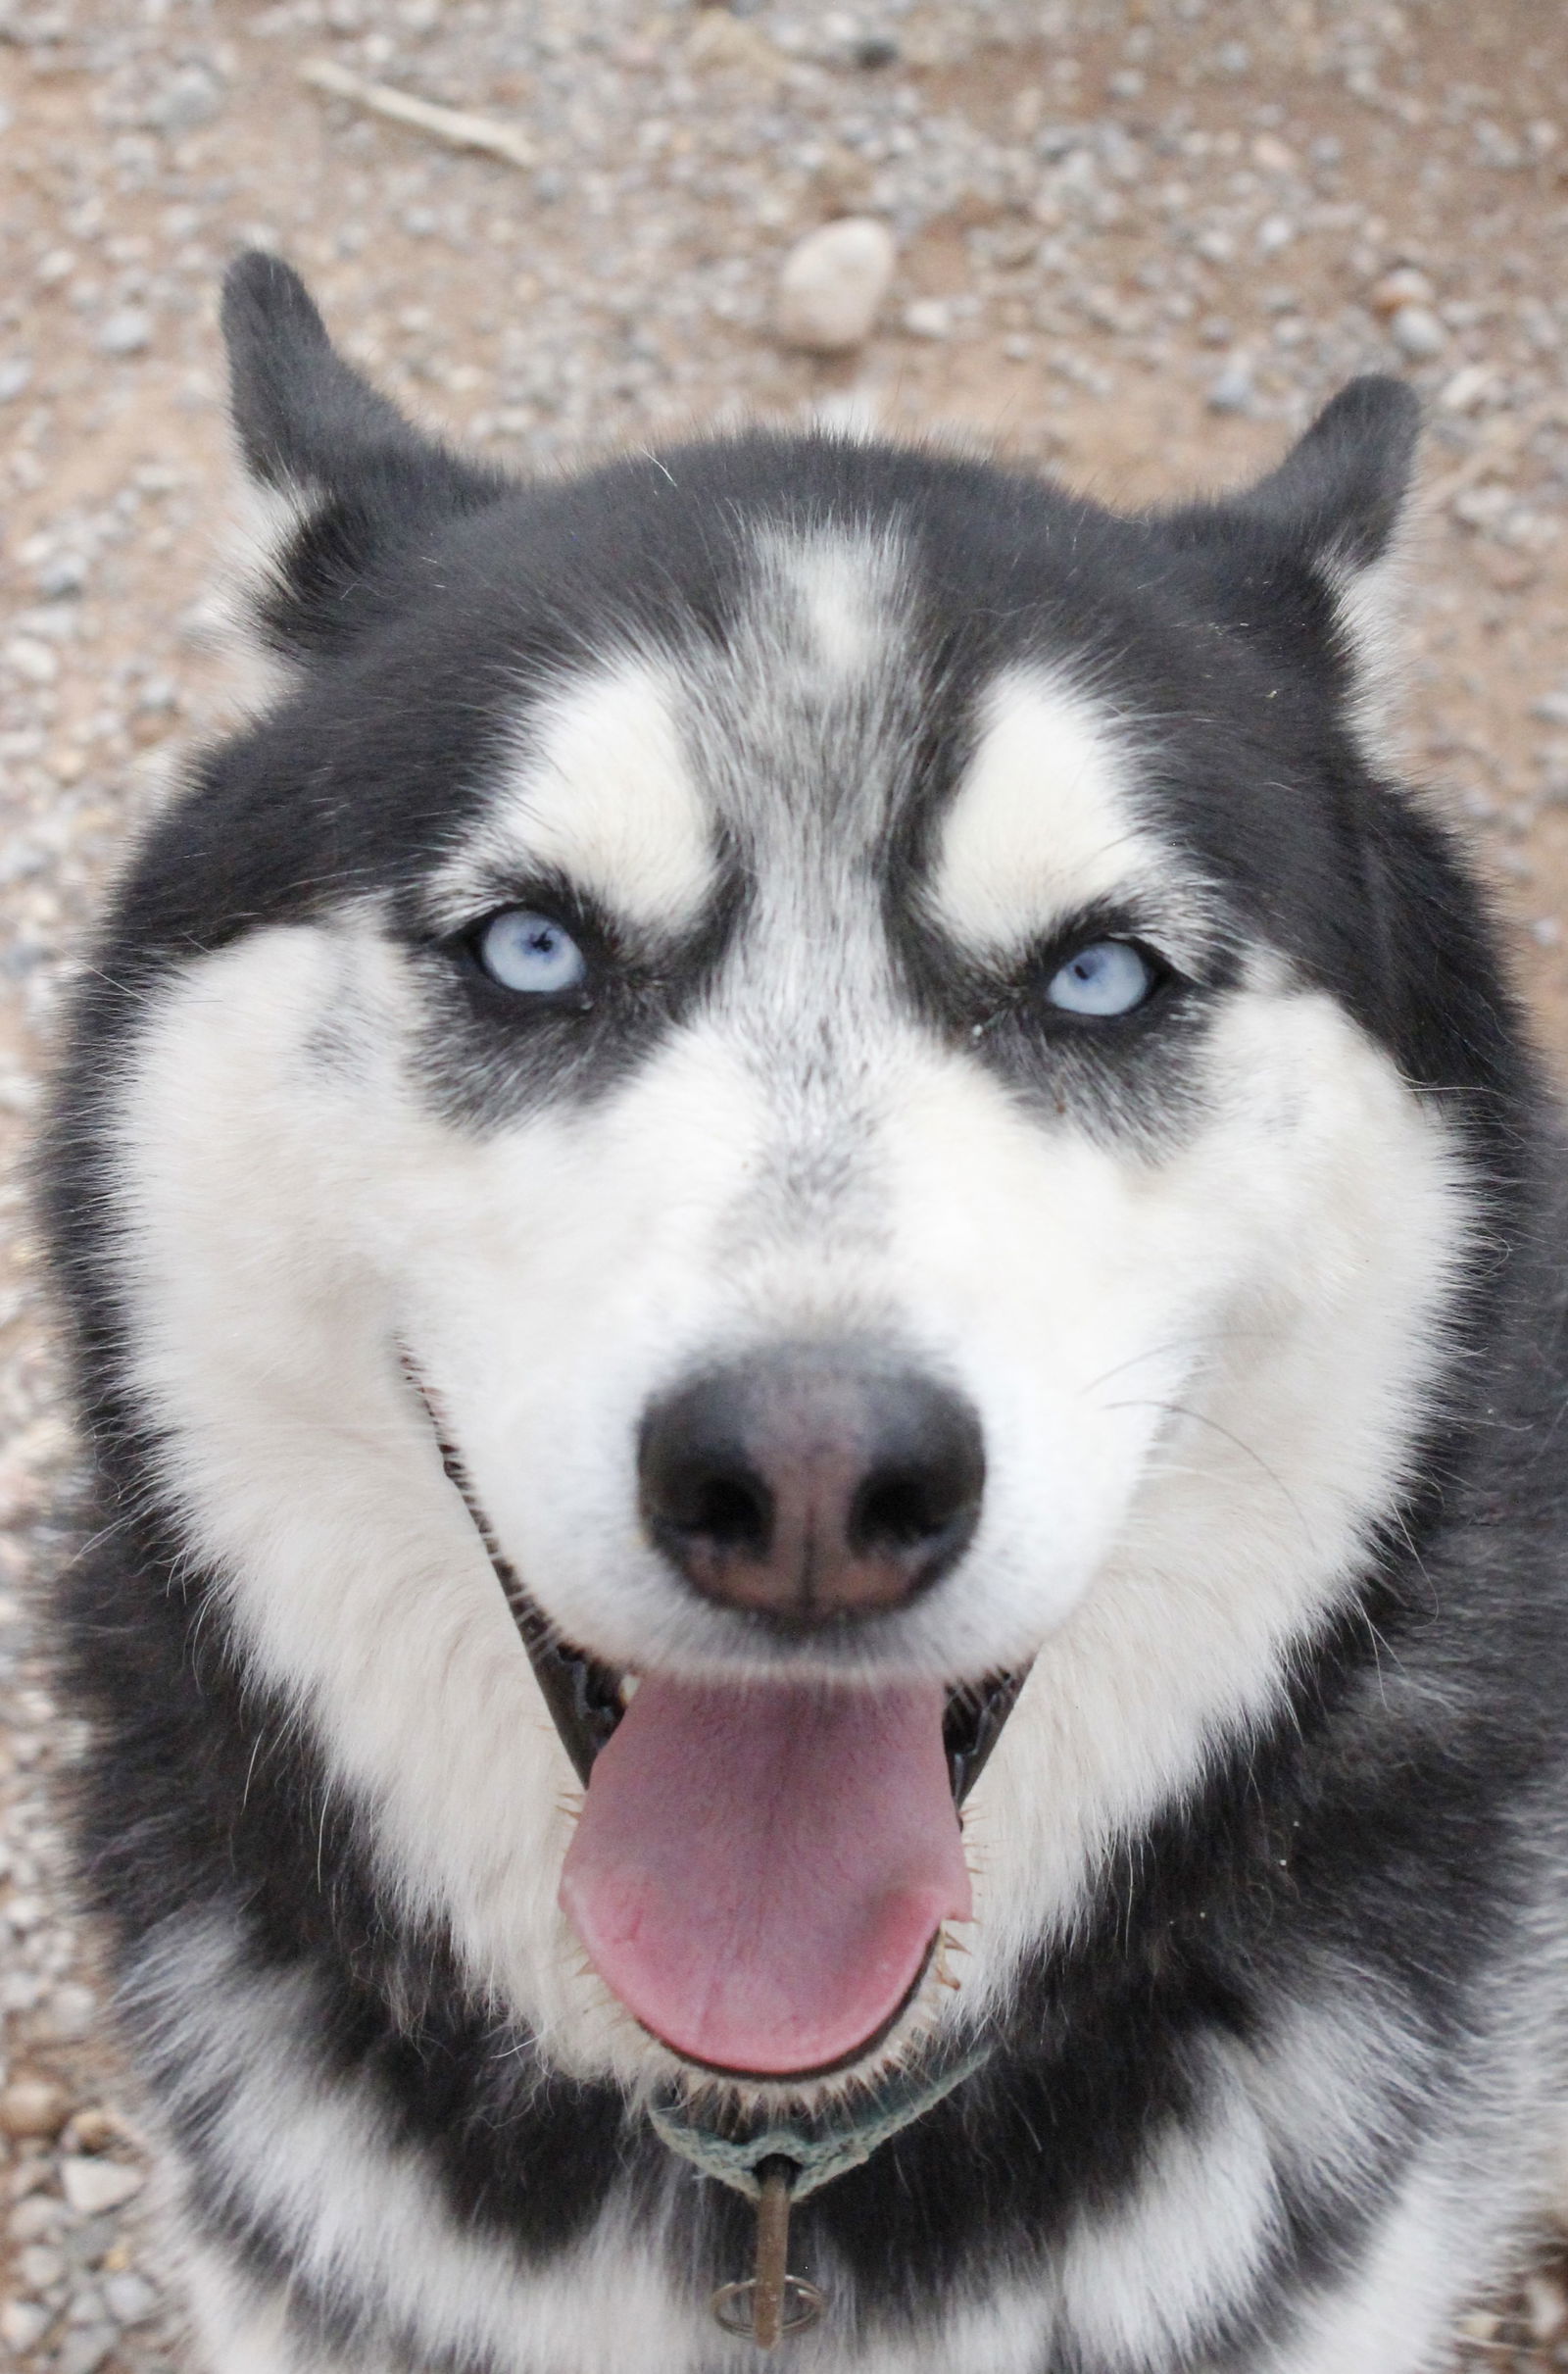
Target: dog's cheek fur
[1241, 1401]
[297, 1464]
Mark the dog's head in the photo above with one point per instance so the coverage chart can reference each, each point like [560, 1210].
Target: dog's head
[852, 1031]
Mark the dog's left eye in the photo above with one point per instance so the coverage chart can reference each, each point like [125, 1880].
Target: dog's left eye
[530, 953]
[1108, 977]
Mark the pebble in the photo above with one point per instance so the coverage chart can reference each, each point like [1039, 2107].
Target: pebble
[191, 96]
[39, 2266]
[1273, 156]
[129, 2299]
[833, 285]
[1233, 390]
[1402, 287]
[928, 318]
[24, 2324]
[92, 2186]
[32, 2107]
[32, 660]
[15, 377]
[94, 2130]
[1417, 332]
[71, 2012]
[85, 2350]
[34, 2218]
[127, 331]
[1469, 387]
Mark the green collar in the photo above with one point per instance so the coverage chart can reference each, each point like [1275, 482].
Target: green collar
[820, 2149]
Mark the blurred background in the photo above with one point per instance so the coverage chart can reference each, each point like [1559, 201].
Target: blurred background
[1137, 242]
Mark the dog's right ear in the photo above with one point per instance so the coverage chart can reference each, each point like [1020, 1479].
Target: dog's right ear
[338, 475]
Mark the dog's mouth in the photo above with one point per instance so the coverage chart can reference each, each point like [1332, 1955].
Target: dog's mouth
[587, 1700]
[762, 1870]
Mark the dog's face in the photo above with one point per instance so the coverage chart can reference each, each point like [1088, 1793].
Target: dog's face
[837, 1022]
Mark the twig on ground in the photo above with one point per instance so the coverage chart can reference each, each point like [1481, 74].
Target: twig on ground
[453, 125]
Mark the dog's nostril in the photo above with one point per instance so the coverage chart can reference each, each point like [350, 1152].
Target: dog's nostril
[734, 1512]
[899, 1513]
[812, 1482]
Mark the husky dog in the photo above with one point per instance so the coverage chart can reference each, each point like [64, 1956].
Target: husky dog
[816, 1286]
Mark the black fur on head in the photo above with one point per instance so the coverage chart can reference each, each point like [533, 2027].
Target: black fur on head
[1339, 490]
[357, 479]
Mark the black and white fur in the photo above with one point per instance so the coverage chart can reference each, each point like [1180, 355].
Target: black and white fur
[830, 748]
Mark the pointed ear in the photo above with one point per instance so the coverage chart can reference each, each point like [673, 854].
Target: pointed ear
[1339, 490]
[338, 475]
[1333, 509]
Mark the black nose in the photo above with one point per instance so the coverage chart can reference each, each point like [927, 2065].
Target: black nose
[813, 1482]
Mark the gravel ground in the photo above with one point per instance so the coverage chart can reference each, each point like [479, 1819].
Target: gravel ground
[1139, 240]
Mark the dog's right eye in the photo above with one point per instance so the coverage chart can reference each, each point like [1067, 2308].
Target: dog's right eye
[530, 953]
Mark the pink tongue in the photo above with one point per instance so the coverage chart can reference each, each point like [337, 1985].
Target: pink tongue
[758, 1872]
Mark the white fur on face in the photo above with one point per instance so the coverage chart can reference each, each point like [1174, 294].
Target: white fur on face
[1197, 1372]
[1046, 822]
[599, 792]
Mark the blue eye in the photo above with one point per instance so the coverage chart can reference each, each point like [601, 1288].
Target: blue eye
[530, 953]
[1107, 978]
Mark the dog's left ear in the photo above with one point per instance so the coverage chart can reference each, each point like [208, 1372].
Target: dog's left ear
[1328, 516]
[339, 478]
[1338, 493]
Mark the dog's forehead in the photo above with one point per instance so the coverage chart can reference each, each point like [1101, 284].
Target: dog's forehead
[799, 737]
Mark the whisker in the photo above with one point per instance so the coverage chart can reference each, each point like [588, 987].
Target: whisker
[1198, 1418]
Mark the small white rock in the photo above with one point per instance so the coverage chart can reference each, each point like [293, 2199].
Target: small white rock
[15, 375]
[1232, 391]
[1417, 332]
[27, 657]
[833, 283]
[192, 96]
[92, 2186]
[23, 2324]
[68, 2016]
[39, 2266]
[127, 331]
[1404, 285]
[35, 2218]
[1470, 385]
[1274, 233]
[1273, 156]
[928, 318]
[84, 2353]
[129, 2299]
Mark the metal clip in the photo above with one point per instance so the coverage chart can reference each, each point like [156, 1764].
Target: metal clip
[772, 2303]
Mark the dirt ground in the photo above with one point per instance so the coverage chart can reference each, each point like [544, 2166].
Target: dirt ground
[1137, 242]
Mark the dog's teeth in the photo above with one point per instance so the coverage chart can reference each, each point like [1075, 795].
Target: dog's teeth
[628, 1688]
